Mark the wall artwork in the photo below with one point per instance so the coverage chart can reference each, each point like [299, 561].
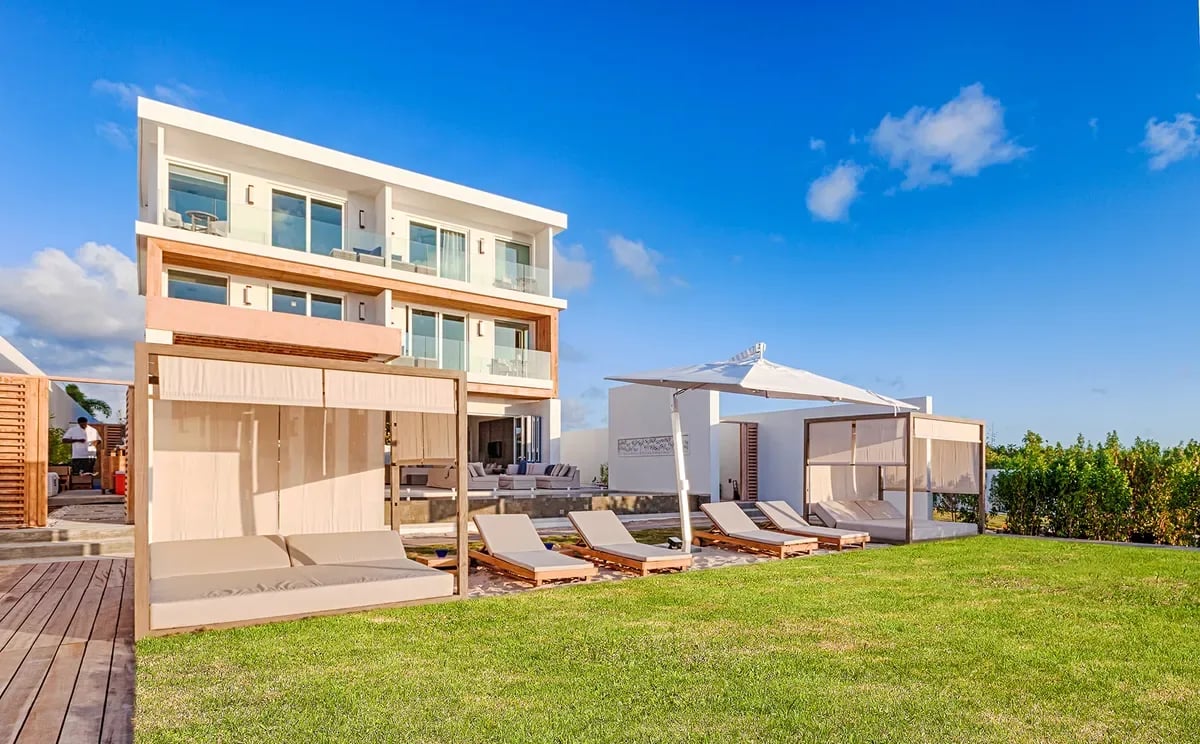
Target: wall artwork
[649, 446]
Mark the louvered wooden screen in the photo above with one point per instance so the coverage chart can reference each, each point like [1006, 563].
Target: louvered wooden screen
[24, 445]
[129, 466]
[749, 474]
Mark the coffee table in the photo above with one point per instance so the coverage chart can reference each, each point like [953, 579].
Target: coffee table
[433, 561]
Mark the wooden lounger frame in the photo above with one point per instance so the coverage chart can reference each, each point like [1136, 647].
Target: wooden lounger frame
[538, 576]
[642, 568]
[777, 551]
[838, 543]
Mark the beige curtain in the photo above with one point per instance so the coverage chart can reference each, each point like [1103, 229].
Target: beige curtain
[829, 443]
[842, 482]
[215, 380]
[215, 471]
[955, 467]
[953, 431]
[879, 442]
[384, 392]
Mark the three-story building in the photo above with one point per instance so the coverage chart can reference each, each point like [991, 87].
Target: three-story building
[251, 240]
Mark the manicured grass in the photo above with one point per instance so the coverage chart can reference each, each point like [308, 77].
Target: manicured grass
[986, 639]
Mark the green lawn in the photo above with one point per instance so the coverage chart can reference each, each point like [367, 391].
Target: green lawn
[987, 639]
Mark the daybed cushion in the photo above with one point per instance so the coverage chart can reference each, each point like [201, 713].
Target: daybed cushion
[217, 555]
[833, 513]
[208, 599]
[877, 509]
[893, 530]
[381, 548]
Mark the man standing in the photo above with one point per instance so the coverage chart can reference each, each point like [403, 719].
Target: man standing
[83, 439]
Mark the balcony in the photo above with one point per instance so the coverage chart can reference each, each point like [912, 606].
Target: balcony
[521, 277]
[513, 364]
[500, 366]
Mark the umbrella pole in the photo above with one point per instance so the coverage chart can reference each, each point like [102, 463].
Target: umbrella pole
[681, 483]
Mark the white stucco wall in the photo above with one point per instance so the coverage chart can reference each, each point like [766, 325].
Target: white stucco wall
[729, 444]
[587, 449]
[636, 411]
[63, 408]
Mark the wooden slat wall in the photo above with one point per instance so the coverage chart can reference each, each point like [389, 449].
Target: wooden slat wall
[129, 490]
[749, 473]
[24, 456]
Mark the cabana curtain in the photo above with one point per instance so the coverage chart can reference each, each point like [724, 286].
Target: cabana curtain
[366, 391]
[217, 381]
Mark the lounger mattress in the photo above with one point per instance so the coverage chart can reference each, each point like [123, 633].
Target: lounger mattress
[772, 538]
[894, 530]
[542, 560]
[641, 552]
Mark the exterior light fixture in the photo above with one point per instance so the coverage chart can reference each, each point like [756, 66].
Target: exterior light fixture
[250, 194]
[362, 311]
[362, 219]
[479, 325]
[246, 295]
[481, 246]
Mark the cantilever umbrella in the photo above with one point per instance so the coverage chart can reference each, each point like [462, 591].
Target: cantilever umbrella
[748, 373]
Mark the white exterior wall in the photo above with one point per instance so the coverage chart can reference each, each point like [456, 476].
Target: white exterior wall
[729, 444]
[636, 411]
[63, 408]
[586, 449]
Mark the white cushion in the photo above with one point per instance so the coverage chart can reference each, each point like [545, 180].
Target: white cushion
[344, 547]
[508, 533]
[877, 509]
[541, 560]
[217, 555]
[600, 528]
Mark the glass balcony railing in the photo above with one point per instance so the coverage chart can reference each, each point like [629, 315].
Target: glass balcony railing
[528, 364]
[522, 278]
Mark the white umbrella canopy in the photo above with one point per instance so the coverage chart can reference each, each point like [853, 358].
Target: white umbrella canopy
[748, 373]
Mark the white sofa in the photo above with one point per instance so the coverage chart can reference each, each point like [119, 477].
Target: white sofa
[885, 522]
[244, 579]
[539, 475]
[477, 480]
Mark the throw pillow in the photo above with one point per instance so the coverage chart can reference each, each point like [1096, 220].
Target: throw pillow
[522, 467]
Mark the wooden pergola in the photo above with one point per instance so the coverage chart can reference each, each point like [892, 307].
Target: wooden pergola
[906, 452]
[155, 464]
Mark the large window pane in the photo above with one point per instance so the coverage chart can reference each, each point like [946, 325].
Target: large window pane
[326, 227]
[422, 245]
[184, 286]
[454, 342]
[424, 334]
[289, 301]
[454, 255]
[288, 221]
[326, 307]
[509, 252]
[190, 190]
[512, 335]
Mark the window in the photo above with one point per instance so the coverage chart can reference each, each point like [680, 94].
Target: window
[512, 253]
[454, 255]
[422, 245]
[437, 250]
[424, 334]
[512, 335]
[204, 195]
[513, 267]
[182, 285]
[288, 221]
[454, 342]
[301, 223]
[289, 301]
[324, 306]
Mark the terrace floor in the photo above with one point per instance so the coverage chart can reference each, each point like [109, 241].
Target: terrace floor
[66, 651]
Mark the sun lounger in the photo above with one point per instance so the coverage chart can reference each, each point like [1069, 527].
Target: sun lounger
[605, 539]
[785, 518]
[512, 545]
[731, 526]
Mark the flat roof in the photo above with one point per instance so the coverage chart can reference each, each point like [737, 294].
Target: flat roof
[168, 115]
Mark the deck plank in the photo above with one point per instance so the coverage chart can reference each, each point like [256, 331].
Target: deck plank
[46, 717]
[20, 636]
[85, 713]
[118, 707]
[10, 576]
[22, 690]
[13, 596]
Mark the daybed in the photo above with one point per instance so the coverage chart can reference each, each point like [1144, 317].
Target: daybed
[512, 545]
[197, 583]
[884, 521]
[732, 527]
[477, 479]
[785, 518]
[605, 538]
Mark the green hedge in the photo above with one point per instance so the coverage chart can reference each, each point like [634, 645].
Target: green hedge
[1140, 493]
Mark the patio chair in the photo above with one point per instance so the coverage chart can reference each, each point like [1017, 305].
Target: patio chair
[732, 527]
[784, 517]
[512, 545]
[604, 538]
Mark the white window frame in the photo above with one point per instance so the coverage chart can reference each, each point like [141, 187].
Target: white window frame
[204, 168]
[166, 282]
[308, 293]
[439, 337]
[308, 194]
[438, 226]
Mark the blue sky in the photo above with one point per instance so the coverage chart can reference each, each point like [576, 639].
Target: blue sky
[994, 204]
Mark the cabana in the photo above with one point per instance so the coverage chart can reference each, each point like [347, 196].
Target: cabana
[852, 462]
[258, 483]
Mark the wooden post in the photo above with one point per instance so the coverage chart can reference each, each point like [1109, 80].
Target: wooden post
[462, 498]
[908, 479]
[140, 454]
[804, 466]
[981, 509]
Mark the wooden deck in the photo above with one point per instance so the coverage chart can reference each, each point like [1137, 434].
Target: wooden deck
[66, 652]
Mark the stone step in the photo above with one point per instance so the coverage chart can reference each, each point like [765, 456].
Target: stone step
[35, 551]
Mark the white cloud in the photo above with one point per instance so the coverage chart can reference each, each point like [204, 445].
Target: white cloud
[853, 138]
[633, 256]
[816, 145]
[575, 414]
[1094, 125]
[114, 134]
[572, 269]
[830, 196]
[76, 314]
[962, 137]
[126, 94]
[1171, 141]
